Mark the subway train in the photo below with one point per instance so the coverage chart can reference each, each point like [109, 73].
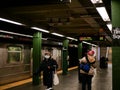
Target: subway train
[16, 57]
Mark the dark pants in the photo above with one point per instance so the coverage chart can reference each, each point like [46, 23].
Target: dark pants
[48, 78]
[86, 81]
[49, 86]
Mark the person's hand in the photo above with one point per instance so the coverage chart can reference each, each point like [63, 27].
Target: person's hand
[48, 67]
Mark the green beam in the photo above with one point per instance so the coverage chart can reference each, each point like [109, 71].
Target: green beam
[64, 57]
[36, 56]
[116, 47]
[115, 13]
[79, 50]
[116, 68]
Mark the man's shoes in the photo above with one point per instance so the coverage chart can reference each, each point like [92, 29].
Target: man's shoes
[49, 88]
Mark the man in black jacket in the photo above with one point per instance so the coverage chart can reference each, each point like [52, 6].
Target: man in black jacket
[48, 66]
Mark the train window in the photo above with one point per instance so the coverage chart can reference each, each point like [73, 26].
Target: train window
[14, 54]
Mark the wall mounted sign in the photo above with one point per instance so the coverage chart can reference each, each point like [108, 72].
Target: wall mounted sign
[116, 36]
[93, 38]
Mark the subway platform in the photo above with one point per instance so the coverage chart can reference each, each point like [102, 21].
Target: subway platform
[101, 81]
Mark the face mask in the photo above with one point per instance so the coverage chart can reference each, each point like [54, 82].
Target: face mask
[47, 56]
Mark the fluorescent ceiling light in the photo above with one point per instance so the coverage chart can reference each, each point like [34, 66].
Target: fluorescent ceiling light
[66, 1]
[10, 21]
[39, 29]
[19, 34]
[89, 43]
[15, 33]
[103, 13]
[96, 1]
[60, 43]
[58, 34]
[45, 38]
[71, 38]
[110, 27]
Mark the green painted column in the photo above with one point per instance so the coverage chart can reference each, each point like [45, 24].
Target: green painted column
[64, 57]
[116, 68]
[115, 8]
[79, 50]
[116, 45]
[37, 40]
[79, 57]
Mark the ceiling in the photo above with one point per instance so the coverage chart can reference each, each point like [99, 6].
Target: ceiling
[75, 19]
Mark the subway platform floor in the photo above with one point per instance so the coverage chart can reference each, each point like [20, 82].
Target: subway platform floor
[101, 81]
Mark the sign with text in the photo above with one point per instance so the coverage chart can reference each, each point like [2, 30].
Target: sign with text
[94, 38]
[116, 36]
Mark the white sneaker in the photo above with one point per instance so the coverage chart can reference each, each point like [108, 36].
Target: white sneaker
[47, 89]
[50, 88]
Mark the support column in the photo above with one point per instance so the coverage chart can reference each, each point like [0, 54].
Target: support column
[79, 50]
[79, 57]
[64, 57]
[37, 40]
[116, 45]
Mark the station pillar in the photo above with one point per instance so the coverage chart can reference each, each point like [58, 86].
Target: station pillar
[79, 57]
[64, 57]
[37, 40]
[116, 44]
[80, 50]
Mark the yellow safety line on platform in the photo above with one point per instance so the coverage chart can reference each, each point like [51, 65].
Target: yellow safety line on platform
[18, 83]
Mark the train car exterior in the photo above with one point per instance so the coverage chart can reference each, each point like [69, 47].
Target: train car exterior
[16, 61]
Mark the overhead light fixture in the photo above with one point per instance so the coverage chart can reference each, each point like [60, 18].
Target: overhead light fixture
[71, 38]
[109, 26]
[103, 13]
[39, 29]
[66, 1]
[96, 1]
[19, 34]
[15, 33]
[59, 43]
[58, 34]
[10, 21]
[89, 43]
[45, 38]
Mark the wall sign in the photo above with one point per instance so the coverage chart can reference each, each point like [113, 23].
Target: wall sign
[116, 33]
[92, 38]
[116, 36]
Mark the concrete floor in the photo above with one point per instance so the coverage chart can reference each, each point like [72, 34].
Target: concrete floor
[101, 81]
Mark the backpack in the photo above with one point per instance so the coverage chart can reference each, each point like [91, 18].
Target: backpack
[85, 66]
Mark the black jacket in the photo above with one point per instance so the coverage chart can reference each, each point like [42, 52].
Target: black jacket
[48, 72]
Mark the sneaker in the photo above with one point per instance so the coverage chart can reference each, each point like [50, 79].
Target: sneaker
[50, 88]
[47, 89]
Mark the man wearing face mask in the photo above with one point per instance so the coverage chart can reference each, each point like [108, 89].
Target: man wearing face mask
[48, 66]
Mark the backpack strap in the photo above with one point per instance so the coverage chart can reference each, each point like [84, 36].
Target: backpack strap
[87, 59]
